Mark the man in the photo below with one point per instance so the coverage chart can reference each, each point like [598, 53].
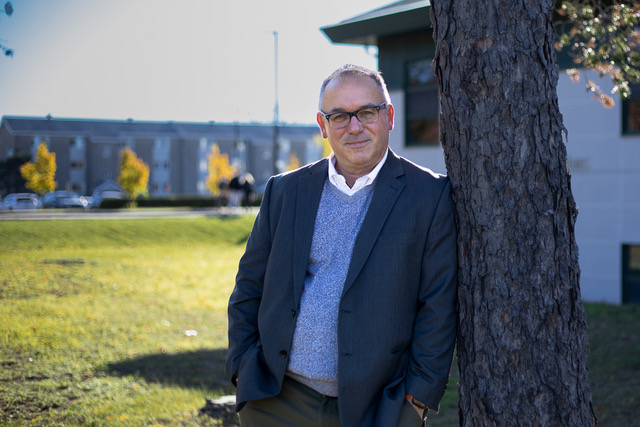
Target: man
[343, 311]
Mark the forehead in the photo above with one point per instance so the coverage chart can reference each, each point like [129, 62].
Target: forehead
[351, 92]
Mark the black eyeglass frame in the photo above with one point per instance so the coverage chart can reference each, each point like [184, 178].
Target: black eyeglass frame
[354, 114]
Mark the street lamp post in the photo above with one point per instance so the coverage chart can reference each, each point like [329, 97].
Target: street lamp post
[276, 109]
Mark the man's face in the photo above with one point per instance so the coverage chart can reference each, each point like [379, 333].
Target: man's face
[358, 147]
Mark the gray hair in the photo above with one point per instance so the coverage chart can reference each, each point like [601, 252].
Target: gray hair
[351, 70]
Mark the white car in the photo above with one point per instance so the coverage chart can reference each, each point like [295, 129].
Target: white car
[64, 199]
[17, 201]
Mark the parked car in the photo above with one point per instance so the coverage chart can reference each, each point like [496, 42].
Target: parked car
[16, 201]
[89, 200]
[64, 199]
[101, 196]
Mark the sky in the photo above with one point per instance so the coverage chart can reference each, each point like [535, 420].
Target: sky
[173, 60]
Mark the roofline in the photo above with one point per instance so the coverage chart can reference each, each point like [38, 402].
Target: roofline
[365, 29]
[116, 121]
[6, 122]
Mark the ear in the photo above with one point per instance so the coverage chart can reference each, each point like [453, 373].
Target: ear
[322, 124]
[390, 116]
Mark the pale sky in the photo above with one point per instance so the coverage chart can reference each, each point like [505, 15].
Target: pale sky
[172, 60]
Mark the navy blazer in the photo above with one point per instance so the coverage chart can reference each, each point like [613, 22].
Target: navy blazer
[397, 319]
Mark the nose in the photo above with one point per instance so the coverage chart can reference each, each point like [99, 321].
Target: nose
[354, 125]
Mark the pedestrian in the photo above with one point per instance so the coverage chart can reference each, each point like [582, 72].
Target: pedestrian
[344, 308]
[235, 191]
[247, 188]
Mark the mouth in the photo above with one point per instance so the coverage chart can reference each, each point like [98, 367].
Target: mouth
[357, 143]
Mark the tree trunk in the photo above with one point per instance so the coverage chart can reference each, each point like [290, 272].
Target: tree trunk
[522, 343]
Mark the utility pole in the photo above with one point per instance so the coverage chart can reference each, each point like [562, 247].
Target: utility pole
[276, 109]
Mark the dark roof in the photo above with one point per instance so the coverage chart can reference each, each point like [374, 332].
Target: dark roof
[400, 17]
[113, 129]
[108, 185]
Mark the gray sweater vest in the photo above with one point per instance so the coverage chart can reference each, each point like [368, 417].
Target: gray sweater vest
[314, 354]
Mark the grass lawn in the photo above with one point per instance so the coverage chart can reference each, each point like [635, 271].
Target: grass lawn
[114, 321]
[614, 369]
[123, 322]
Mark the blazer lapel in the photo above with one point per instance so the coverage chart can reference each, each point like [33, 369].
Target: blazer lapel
[307, 202]
[387, 190]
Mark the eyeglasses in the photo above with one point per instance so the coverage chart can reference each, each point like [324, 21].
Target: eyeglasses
[365, 116]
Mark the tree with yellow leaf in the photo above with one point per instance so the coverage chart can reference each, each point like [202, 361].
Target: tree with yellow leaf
[134, 174]
[294, 163]
[40, 173]
[219, 169]
[324, 143]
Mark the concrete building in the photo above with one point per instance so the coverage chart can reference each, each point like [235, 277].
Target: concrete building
[88, 151]
[603, 147]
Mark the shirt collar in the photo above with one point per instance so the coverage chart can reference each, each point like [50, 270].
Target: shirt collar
[341, 183]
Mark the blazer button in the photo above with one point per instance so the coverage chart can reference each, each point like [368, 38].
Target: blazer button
[283, 354]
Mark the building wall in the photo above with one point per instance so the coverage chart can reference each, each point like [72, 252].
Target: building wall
[605, 165]
[59, 145]
[9, 142]
[395, 53]
[605, 169]
[103, 162]
[605, 181]
[88, 152]
[78, 165]
[431, 157]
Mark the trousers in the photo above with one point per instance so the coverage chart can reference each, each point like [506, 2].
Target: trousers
[300, 406]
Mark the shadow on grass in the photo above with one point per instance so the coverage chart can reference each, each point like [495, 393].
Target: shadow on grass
[201, 369]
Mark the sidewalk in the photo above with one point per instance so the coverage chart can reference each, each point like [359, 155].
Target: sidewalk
[136, 213]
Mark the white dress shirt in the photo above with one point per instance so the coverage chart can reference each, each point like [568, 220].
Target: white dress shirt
[341, 183]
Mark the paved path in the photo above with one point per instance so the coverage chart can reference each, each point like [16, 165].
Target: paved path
[137, 213]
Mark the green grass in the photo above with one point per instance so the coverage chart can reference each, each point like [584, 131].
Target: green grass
[96, 319]
[614, 363]
[614, 369]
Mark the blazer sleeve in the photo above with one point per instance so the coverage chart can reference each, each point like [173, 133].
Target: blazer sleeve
[244, 302]
[435, 326]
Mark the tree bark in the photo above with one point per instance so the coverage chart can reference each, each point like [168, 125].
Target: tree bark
[522, 341]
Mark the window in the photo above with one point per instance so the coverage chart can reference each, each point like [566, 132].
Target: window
[631, 111]
[421, 104]
[634, 258]
[631, 274]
